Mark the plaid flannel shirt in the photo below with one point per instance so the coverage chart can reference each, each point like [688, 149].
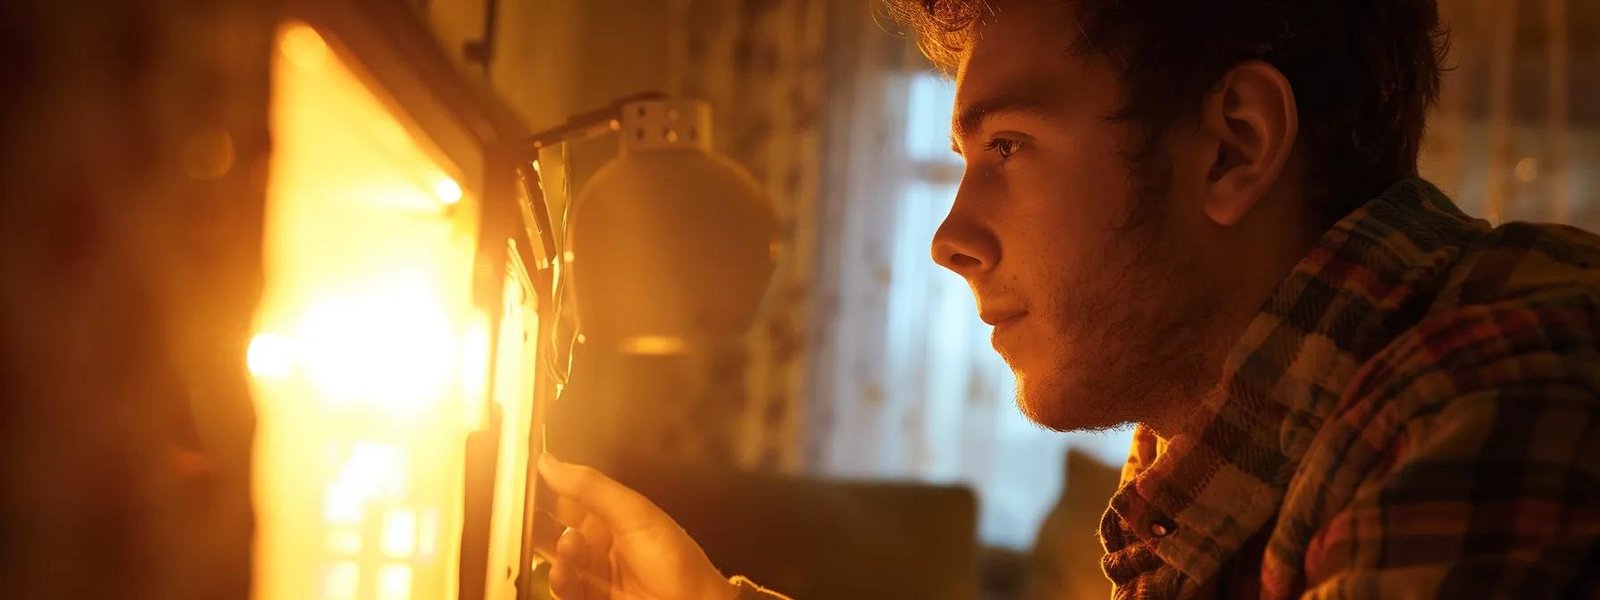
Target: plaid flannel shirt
[1412, 414]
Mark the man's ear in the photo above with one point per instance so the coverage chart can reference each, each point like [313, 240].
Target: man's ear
[1252, 118]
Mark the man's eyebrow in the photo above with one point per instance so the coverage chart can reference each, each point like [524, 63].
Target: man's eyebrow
[970, 117]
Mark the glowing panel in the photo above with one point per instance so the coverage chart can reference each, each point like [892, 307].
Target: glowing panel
[369, 355]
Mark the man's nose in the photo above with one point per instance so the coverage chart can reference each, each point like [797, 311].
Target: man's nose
[964, 243]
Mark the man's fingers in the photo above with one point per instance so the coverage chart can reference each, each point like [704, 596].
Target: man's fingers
[623, 509]
[572, 550]
[596, 533]
[568, 512]
[578, 572]
[567, 584]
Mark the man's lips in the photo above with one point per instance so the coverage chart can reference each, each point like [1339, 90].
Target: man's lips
[1004, 328]
[999, 318]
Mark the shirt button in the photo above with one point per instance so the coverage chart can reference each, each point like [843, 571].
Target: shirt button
[1160, 529]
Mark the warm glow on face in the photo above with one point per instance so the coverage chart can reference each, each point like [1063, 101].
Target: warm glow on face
[369, 356]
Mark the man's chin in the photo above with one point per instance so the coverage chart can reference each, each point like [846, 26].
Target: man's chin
[1046, 413]
[1057, 410]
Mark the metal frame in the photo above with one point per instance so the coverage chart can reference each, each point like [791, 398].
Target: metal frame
[393, 50]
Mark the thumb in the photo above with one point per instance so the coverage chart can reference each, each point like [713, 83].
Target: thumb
[622, 508]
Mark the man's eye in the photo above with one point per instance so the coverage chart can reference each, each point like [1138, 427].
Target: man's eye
[1005, 147]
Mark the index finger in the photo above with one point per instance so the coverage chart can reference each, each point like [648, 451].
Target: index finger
[623, 508]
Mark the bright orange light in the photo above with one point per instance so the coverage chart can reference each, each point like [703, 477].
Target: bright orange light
[394, 582]
[474, 369]
[343, 580]
[388, 344]
[269, 356]
[372, 473]
[400, 534]
[303, 47]
[448, 191]
[368, 346]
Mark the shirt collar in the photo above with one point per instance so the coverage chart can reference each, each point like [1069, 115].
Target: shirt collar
[1199, 496]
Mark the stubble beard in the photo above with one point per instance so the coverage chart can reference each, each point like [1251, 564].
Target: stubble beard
[1135, 328]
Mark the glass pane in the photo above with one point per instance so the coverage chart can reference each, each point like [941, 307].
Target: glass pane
[369, 359]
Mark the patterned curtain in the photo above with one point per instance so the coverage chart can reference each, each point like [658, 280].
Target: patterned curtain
[761, 65]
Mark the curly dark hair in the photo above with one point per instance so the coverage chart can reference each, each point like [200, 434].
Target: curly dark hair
[1364, 72]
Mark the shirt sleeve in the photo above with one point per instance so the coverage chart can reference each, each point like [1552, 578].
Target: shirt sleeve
[1493, 495]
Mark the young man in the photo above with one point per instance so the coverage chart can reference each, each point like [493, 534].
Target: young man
[1204, 218]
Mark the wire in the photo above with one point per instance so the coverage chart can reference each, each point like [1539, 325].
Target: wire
[562, 373]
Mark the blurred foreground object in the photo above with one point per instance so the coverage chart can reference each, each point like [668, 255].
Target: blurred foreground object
[133, 175]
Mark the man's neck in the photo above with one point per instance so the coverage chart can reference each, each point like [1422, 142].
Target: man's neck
[1252, 258]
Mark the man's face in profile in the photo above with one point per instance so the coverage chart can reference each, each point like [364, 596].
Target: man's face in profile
[1075, 257]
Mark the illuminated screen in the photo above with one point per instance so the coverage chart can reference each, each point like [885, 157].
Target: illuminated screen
[369, 359]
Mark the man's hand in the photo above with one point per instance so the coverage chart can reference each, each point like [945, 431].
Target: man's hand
[620, 546]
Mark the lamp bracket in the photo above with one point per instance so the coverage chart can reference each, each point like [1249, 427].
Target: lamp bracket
[665, 124]
[588, 125]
